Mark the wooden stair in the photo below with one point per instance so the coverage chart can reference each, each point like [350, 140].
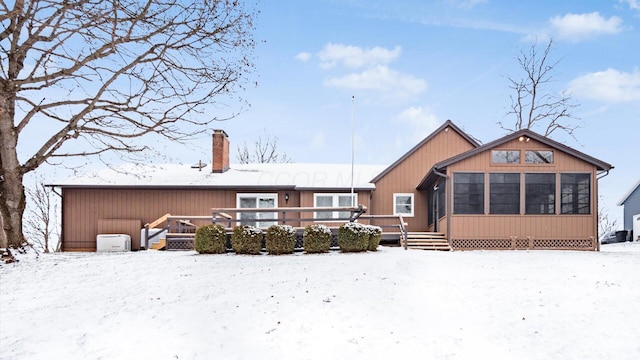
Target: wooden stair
[427, 241]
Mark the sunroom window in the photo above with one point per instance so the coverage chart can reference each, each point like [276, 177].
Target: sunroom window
[540, 193]
[468, 193]
[504, 193]
[575, 190]
[505, 156]
[538, 157]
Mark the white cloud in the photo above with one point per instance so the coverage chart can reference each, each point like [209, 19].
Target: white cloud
[382, 79]
[578, 27]
[422, 122]
[303, 56]
[633, 4]
[466, 4]
[356, 57]
[608, 86]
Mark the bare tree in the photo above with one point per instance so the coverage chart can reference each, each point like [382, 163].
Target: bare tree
[605, 224]
[93, 76]
[533, 104]
[42, 217]
[265, 151]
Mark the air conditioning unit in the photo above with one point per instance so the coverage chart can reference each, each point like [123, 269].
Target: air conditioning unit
[113, 242]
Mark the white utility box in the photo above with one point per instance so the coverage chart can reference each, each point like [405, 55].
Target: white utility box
[636, 227]
[113, 242]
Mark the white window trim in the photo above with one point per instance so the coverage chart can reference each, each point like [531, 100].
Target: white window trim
[273, 196]
[413, 204]
[335, 200]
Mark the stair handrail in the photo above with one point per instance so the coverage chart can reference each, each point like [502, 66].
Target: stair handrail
[403, 231]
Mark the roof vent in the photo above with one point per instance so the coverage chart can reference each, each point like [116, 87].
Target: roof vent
[199, 165]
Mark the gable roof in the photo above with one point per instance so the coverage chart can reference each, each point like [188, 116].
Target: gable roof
[631, 191]
[447, 124]
[239, 176]
[599, 164]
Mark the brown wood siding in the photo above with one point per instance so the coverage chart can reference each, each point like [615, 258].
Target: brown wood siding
[406, 176]
[491, 226]
[84, 207]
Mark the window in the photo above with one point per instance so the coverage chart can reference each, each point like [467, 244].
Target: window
[468, 193]
[540, 193]
[575, 190]
[257, 201]
[403, 204]
[334, 200]
[538, 157]
[505, 156]
[504, 193]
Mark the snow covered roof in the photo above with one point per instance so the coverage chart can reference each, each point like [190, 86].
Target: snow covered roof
[287, 175]
[626, 196]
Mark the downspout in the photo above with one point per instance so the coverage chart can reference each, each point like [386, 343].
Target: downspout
[447, 201]
[598, 177]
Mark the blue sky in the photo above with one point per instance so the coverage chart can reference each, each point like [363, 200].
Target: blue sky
[411, 65]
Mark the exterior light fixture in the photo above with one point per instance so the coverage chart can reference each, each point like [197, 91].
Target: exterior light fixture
[286, 198]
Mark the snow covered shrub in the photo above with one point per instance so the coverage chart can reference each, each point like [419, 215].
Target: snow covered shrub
[375, 235]
[280, 239]
[316, 238]
[353, 237]
[211, 239]
[246, 239]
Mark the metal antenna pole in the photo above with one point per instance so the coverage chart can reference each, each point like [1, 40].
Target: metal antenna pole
[353, 100]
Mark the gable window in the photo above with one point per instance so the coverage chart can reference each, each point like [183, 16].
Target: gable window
[538, 157]
[334, 200]
[505, 156]
[257, 201]
[403, 204]
[575, 193]
[504, 193]
[540, 193]
[468, 193]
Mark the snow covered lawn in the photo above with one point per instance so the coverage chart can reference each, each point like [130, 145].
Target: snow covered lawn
[393, 304]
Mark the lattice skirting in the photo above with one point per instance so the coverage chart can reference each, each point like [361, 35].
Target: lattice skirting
[523, 244]
[179, 244]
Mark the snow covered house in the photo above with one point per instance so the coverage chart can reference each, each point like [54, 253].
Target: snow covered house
[630, 203]
[522, 191]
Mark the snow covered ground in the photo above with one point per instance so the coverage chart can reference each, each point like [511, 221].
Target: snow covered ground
[393, 304]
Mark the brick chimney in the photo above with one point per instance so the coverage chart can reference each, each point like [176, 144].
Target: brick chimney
[220, 150]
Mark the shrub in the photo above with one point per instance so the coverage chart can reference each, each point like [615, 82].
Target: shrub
[353, 237]
[316, 238]
[246, 239]
[280, 239]
[375, 235]
[211, 239]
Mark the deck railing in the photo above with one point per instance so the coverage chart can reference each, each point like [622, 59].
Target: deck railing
[180, 229]
[229, 216]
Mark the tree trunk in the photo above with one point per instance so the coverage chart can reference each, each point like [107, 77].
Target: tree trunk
[12, 194]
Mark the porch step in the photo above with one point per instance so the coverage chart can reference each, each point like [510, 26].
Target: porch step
[427, 241]
[158, 245]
